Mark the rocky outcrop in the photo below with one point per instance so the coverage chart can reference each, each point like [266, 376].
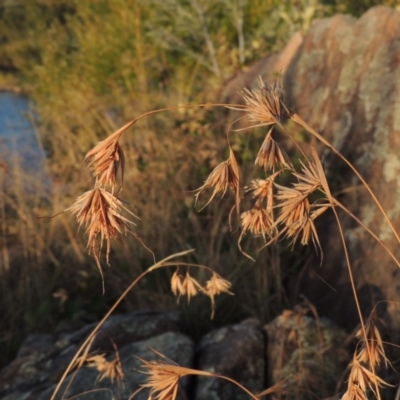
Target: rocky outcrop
[343, 78]
[296, 346]
[345, 82]
[236, 351]
[305, 354]
[86, 384]
[43, 359]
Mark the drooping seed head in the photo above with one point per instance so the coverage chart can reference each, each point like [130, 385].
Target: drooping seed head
[264, 104]
[224, 176]
[214, 286]
[271, 156]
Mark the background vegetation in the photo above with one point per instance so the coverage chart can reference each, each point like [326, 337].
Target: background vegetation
[89, 66]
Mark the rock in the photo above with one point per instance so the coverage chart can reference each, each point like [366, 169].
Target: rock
[344, 81]
[42, 359]
[236, 351]
[305, 354]
[174, 345]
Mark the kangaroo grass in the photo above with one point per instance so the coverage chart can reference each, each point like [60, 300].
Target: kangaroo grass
[297, 214]
[101, 211]
[278, 211]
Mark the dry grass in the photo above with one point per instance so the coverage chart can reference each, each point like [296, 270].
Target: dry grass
[280, 210]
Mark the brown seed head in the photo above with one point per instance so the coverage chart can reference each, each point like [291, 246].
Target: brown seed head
[295, 206]
[100, 212]
[372, 352]
[263, 190]
[354, 392]
[362, 377]
[224, 176]
[214, 286]
[297, 216]
[105, 159]
[257, 221]
[264, 104]
[108, 369]
[309, 178]
[191, 286]
[163, 377]
[163, 380]
[271, 156]
[177, 287]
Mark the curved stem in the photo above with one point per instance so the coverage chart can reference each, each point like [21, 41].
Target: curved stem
[353, 288]
[160, 264]
[237, 384]
[336, 202]
[331, 200]
[296, 118]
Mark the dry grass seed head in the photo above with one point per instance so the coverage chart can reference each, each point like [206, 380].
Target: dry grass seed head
[271, 156]
[309, 178]
[354, 392]
[263, 190]
[163, 377]
[163, 380]
[294, 206]
[257, 221]
[297, 216]
[191, 285]
[105, 159]
[223, 176]
[177, 287]
[108, 369]
[184, 285]
[372, 352]
[264, 104]
[363, 377]
[215, 286]
[100, 212]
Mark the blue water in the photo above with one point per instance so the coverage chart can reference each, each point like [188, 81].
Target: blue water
[20, 150]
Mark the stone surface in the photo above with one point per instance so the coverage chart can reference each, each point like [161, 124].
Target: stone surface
[236, 351]
[176, 346]
[306, 354]
[344, 81]
[42, 359]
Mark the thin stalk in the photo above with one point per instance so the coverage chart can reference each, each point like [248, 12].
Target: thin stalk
[353, 288]
[331, 200]
[237, 384]
[336, 202]
[291, 138]
[120, 131]
[296, 118]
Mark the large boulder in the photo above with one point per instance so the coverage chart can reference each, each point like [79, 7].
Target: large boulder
[344, 80]
[43, 359]
[305, 354]
[87, 385]
[236, 351]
